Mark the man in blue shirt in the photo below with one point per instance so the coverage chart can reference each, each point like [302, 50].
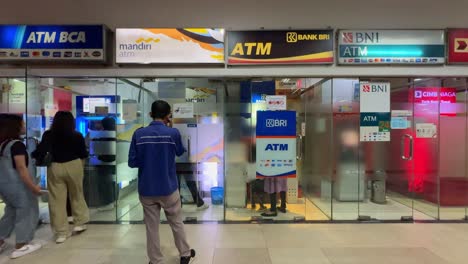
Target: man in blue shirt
[153, 151]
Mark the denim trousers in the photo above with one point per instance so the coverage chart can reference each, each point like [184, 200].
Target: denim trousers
[21, 212]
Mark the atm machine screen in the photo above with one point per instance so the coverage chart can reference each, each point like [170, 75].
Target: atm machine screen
[96, 105]
[92, 109]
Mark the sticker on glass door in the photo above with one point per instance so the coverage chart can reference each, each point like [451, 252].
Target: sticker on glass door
[375, 111]
[375, 126]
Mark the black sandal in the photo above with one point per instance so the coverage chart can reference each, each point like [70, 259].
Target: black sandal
[269, 214]
[282, 209]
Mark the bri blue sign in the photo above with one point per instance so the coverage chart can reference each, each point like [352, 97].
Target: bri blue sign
[276, 123]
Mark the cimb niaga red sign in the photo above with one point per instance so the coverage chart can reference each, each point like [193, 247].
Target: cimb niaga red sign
[445, 96]
[457, 46]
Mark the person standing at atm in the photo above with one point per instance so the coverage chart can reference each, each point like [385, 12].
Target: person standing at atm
[65, 174]
[102, 149]
[273, 186]
[153, 150]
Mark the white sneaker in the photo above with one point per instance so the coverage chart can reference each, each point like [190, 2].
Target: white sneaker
[62, 238]
[203, 207]
[80, 228]
[3, 247]
[26, 249]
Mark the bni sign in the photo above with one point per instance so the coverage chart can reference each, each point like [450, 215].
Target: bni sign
[374, 97]
[375, 111]
[391, 47]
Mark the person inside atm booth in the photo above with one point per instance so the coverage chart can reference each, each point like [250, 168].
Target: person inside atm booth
[257, 186]
[191, 182]
[273, 186]
[102, 146]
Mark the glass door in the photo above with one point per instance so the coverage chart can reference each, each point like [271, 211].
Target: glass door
[94, 104]
[344, 187]
[132, 112]
[245, 198]
[197, 114]
[276, 198]
[316, 131]
[426, 137]
[453, 182]
[386, 149]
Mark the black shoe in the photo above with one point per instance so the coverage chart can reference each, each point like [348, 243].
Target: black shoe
[187, 260]
[269, 214]
[282, 209]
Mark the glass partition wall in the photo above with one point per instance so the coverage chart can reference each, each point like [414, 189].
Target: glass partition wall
[419, 174]
[109, 110]
[453, 145]
[249, 197]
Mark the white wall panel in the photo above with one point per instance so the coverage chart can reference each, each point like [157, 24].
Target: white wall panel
[241, 14]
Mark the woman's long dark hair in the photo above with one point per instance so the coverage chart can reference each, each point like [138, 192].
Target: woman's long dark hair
[64, 123]
[10, 126]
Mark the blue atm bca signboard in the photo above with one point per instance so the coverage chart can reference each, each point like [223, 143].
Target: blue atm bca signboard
[52, 43]
[276, 144]
[357, 47]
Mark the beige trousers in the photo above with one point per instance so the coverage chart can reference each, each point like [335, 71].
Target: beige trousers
[152, 209]
[66, 179]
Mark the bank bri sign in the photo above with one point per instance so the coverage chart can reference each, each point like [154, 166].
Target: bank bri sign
[391, 47]
[52, 43]
[276, 144]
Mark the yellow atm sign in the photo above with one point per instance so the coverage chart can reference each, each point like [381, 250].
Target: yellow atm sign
[250, 48]
[280, 47]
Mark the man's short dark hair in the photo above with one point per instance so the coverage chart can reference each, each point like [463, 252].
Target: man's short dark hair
[108, 123]
[160, 109]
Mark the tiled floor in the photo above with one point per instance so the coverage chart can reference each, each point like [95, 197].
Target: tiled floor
[314, 208]
[267, 243]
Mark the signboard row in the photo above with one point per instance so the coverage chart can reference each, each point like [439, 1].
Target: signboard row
[88, 43]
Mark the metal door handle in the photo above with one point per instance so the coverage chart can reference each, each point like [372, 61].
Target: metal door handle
[188, 148]
[299, 149]
[411, 148]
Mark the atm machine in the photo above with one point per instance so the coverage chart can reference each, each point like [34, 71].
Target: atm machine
[186, 165]
[96, 120]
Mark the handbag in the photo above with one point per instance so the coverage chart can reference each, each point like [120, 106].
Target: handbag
[44, 159]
